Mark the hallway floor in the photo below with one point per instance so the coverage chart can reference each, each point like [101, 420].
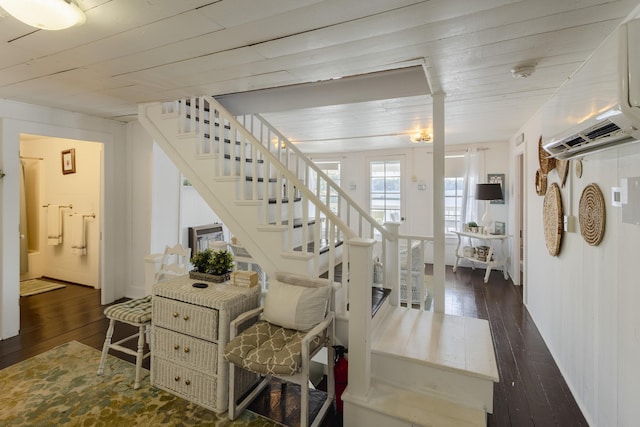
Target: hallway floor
[531, 391]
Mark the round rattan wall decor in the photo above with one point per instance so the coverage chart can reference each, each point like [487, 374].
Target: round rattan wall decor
[541, 183]
[547, 164]
[552, 217]
[562, 167]
[592, 214]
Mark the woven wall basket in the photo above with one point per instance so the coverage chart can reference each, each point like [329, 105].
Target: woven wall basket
[547, 164]
[562, 167]
[552, 217]
[592, 214]
[541, 183]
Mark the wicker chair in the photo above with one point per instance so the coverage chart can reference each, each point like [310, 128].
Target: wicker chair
[137, 312]
[273, 347]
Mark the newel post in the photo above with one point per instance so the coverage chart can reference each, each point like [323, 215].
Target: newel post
[360, 282]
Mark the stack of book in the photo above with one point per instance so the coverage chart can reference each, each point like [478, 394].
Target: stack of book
[247, 279]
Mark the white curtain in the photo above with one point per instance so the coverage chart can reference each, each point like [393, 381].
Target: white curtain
[474, 174]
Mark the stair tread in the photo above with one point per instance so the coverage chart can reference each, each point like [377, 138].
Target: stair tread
[324, 246]
[417, 408]
[456, 343]
[272, 200]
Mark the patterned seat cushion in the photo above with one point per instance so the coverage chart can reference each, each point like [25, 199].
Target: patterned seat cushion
[133, 311]
[268, 349]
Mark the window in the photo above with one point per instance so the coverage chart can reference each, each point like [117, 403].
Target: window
[385, 190]
[453, 187]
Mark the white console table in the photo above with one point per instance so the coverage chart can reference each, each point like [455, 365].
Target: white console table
[499, 259]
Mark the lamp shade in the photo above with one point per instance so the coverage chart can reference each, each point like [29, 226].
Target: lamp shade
[488, 192]
[45, 14]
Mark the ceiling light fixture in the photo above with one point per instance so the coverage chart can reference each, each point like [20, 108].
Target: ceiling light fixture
[422, 136]
[523, 71]
[45, 14]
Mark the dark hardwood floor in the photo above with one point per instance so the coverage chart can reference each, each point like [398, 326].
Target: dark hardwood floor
[531, 391]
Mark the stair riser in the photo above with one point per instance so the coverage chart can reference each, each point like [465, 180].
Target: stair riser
[272, 190]
[435, 381]
[362, 416]
[275, 216]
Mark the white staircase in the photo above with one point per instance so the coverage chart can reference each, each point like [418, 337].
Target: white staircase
[407, 366]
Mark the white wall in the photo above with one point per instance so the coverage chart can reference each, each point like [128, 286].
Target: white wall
[584, 300]
[17, 118]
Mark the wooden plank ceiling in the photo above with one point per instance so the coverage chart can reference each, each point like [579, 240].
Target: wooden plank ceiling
[129, 52]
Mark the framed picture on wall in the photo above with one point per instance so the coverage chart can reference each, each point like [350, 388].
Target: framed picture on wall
[497, 178]
[69, 161]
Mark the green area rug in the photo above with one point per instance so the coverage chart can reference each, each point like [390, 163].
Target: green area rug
[60, 388]
[37, 286]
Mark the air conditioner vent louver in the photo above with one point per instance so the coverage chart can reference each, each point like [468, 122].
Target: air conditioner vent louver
[575, 141]
[604, 134]
[605, 130]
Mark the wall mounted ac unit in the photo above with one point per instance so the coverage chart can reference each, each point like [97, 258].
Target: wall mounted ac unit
[598, 108]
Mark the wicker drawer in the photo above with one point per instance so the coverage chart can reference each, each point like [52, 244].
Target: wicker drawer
[189, 384]
[194, 320]
[184, 350]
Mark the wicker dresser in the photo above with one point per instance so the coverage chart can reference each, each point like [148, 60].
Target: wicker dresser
[190, 331]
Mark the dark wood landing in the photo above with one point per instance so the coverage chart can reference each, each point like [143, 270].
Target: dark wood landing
[531, 391]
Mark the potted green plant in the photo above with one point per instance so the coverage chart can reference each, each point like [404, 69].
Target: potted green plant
[210, 265]
[473, 226]
[221, 263]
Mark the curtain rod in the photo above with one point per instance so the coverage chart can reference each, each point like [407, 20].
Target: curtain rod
[31, 158]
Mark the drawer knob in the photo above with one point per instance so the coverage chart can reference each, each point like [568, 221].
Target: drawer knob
[177, 378]
[175, 314]
[186, 317]
[187, 382]
[176, 346]
[187, 350]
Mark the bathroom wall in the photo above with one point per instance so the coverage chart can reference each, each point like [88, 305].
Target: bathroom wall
[80, 190]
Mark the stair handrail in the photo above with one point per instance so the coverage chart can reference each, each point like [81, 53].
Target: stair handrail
[331, 183]
[290, 176]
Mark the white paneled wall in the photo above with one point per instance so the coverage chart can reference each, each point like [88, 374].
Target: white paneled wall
[584, 301]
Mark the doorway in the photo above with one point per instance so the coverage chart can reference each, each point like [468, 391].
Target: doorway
[61, 200]
[519, 228]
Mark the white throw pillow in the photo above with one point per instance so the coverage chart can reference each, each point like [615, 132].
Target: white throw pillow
[295, 307]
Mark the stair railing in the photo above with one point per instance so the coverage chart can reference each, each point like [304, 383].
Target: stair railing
[350, 211]
[236, 154]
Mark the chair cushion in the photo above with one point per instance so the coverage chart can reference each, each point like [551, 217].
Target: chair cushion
[294, 306]
[268, 349]
[133, 311]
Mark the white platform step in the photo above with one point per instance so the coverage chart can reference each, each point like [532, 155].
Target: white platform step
[454, 343]
[427, 368]
[392, 406]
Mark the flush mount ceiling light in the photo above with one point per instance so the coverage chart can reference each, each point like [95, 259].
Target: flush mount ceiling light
[523, 71]
[45, 14]
[422, 136]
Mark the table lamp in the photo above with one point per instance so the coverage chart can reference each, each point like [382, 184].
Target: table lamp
[488, 192]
